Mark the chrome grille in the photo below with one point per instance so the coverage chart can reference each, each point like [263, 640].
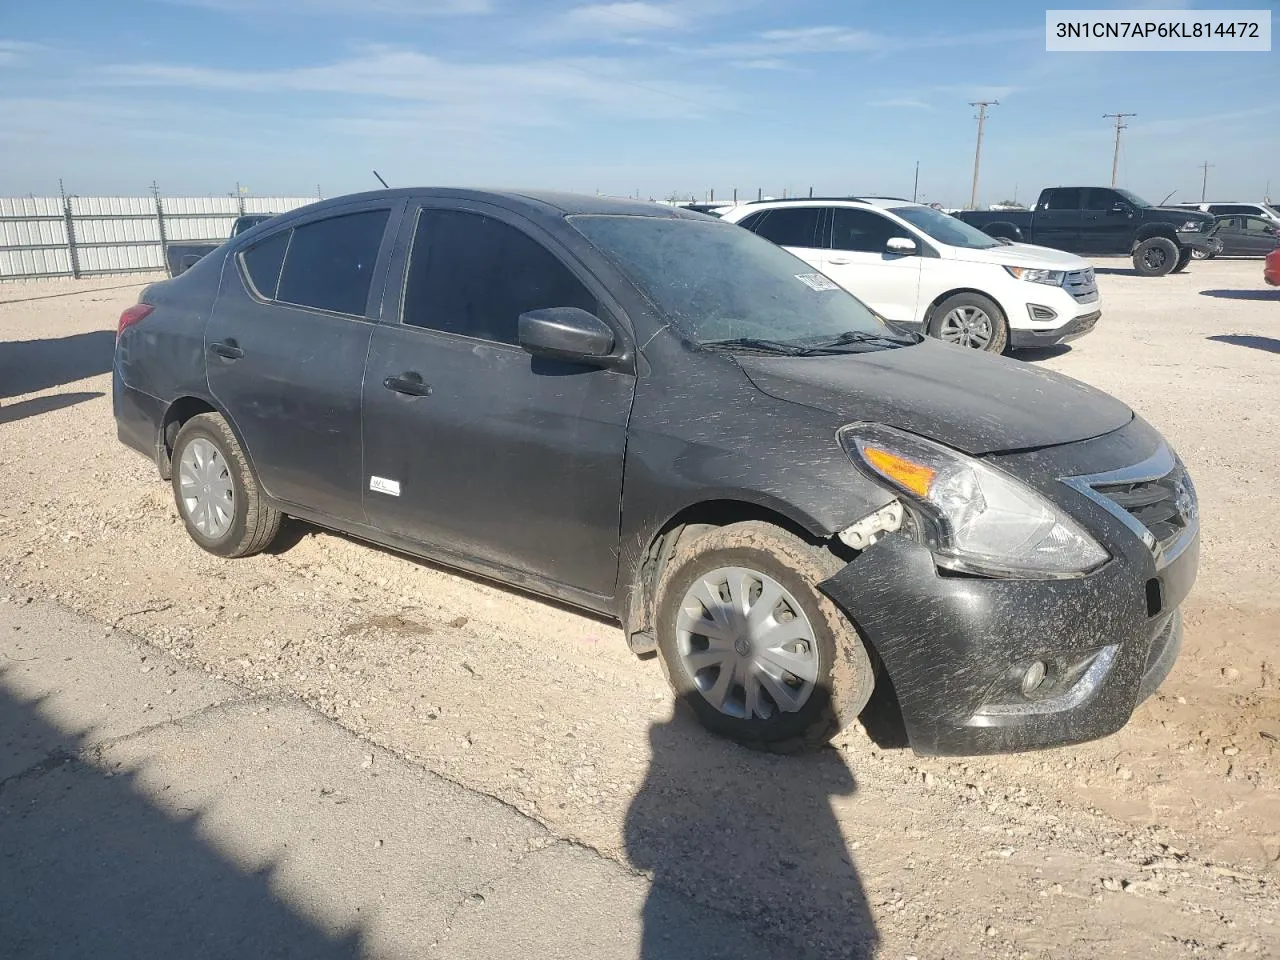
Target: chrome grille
[1082, 285]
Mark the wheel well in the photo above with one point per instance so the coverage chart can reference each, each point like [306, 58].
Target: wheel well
[179, 412]
[928, 314]
[1154, 230]
[689, 522]
[1002, 229]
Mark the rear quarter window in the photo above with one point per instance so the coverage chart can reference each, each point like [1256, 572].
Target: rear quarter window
[262, 262]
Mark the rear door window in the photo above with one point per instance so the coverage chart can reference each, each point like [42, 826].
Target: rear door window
[1067, 198]
[330, 262]
[1097, 200]
[472, 275]
[262, 262]
[791, 226]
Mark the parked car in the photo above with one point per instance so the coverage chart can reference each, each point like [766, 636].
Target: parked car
[1271, 268]
[660, 417]
[926, 270]
[1099, 222]
[180, 257]
[1244, 236]
[1220, 209]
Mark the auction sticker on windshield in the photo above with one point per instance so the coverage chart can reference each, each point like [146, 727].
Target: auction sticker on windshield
[816, 281]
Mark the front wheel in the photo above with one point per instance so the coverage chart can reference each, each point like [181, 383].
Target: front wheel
[751, 645]
[1155, 257]
[1184, 258]
[970, 320]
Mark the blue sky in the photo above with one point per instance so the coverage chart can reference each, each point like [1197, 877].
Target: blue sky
[286, 96]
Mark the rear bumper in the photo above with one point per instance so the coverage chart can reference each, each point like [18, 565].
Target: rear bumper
[138, 417]
[957, 648]
[1071, 330]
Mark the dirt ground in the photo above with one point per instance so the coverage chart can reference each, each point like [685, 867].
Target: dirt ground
[1160, 841]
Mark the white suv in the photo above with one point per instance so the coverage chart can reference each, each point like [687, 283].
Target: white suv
[926, 270]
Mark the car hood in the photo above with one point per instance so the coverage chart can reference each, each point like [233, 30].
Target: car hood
[971, 401]
[1022, 255]
[1186, 215]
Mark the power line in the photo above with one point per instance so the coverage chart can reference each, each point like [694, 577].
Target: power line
[977, 153]
[1120, 125]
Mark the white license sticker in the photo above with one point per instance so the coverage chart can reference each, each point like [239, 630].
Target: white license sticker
[383, 485]
[816, 281]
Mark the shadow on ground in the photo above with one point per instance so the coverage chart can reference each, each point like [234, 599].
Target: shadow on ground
[27, 366]
[46, 404]
[1242, 294]
[91, 868]
[1035, 354]
[1269, 344]
[733, 830]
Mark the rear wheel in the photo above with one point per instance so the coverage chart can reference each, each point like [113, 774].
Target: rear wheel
[751, 645]
[217, 495]
[1155, 257]
[970, 320]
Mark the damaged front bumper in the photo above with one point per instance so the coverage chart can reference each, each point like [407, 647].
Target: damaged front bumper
[985, 665]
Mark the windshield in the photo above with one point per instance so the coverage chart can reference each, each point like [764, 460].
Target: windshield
[945, 228]
[717, 283]
[1133, 198]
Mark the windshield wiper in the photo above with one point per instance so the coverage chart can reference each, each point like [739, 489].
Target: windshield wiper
[852, 337]
[756, 344]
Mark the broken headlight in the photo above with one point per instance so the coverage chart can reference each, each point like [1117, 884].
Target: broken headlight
[974, 517]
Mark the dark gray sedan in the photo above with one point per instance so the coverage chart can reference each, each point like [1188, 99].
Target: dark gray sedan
[657, 416]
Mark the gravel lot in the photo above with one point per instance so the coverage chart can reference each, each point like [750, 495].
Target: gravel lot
[1161, 841]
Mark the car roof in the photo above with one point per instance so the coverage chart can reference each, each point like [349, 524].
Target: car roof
[532, 202]
[882, 203]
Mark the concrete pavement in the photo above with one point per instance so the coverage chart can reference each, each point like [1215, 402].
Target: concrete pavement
[147, 810]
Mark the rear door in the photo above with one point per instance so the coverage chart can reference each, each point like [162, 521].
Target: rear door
[1107, 222]
[856, 258]
[493, 454]
[1256, 236]
[285, 351]
[800, 229]
[1058, 218]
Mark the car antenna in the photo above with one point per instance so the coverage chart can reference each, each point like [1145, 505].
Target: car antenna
[380, 180]
[1160, 204]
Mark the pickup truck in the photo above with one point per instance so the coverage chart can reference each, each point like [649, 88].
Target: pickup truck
[178, 257]
[1100, 222]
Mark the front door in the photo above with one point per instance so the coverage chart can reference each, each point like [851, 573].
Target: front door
[285, 351]
[857, 258]
[471, 444]
[1107, 225]
[1253, 237]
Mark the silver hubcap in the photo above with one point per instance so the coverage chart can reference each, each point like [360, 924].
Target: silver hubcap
[967, 326]
[208, 498]
[747, 644]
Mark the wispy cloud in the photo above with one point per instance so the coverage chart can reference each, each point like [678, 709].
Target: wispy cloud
[829, 38]
[13, 50]
[343, 8]
[622, 19]
[907, 102]
[459, 95]
[767, 63]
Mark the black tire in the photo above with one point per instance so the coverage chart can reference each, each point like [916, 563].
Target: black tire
[845, 677]
[1184, 258]
[254, 524]
[999, 340]
[1155, 257]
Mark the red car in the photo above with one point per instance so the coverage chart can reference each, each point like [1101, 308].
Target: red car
[1271, 268]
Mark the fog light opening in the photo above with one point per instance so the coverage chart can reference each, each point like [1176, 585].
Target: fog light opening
[1033, 678]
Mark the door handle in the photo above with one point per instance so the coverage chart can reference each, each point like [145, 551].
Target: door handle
[227, 349]
[838, 261]
[410, 384]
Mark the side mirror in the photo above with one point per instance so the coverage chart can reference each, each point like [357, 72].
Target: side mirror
[566, 333]
[901, 246]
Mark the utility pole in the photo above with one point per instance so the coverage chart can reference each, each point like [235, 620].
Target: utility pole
[915, 186]
[977, 153]
[1120, 125]
[1204, 181]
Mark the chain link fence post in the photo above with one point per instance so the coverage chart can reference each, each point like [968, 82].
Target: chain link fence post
[73, 256]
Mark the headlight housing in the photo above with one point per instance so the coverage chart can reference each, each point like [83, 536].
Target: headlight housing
[1191, 226]
[1053, 278]
[975, 518]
